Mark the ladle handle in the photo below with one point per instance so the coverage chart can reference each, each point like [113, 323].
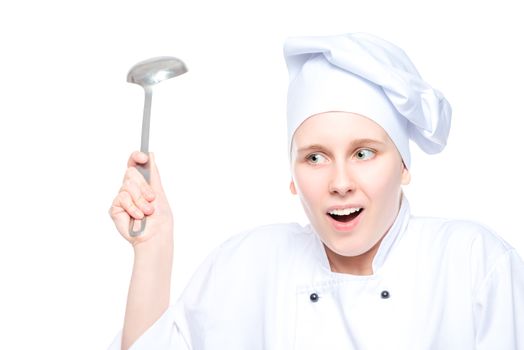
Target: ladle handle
[144, 170]
[144, 147]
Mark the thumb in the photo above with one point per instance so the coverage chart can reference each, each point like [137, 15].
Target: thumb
[155, 181]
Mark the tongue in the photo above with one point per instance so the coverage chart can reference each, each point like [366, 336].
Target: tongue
[346, 218]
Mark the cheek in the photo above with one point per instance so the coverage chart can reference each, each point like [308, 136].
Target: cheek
[381, 181]
[310, 185]
[304, 183]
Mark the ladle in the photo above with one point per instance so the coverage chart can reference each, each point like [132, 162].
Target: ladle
[146, 74]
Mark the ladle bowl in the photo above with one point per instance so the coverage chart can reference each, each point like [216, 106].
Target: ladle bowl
[155, 70]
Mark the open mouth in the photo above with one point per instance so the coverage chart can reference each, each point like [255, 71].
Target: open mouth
[345, 215]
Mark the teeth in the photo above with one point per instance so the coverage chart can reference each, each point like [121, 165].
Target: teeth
[346, 211]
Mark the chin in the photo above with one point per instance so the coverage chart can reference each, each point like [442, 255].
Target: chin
[347, 249]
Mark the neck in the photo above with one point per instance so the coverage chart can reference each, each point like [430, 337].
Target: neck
[361, 265]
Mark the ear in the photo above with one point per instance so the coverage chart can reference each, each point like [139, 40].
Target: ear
[292, 187]
[406, 175]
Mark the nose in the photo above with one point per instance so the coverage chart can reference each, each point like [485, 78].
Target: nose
[342, 181]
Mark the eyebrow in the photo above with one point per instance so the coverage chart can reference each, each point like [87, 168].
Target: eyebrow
[354, 143]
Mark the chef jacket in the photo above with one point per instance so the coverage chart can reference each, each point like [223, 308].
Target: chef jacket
[436, 284]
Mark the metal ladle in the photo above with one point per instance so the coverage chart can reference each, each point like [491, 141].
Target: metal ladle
[146, 74]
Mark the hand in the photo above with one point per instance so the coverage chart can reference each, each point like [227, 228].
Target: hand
[137, 199]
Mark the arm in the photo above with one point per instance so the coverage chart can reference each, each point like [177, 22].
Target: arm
[500, 305]
[149, 289]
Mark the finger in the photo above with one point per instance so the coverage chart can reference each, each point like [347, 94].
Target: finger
[125, 201]
[137, 192]
[133, 174]
[147, 192]
[137, 158]
[119, 216]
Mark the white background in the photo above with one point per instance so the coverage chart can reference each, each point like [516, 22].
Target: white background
[69, 121]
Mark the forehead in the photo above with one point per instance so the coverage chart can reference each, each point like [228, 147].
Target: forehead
[336, 127]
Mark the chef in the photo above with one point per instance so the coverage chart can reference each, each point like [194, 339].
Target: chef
[365, 273]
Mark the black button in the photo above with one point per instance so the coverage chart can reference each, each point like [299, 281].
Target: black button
[313, 297]
[384, 294]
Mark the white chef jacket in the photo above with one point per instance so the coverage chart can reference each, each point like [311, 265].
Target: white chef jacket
[437, 284]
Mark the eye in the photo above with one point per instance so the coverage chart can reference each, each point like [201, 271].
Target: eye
[364, 154]
[316, 158]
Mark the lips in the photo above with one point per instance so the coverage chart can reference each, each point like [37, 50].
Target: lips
[345, 218]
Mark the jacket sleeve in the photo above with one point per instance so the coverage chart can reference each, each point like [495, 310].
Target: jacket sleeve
[162, 335]
[499, 305]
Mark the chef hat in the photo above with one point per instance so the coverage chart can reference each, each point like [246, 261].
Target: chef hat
[366, 75]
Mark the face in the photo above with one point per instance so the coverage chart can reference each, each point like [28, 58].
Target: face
[348, 175]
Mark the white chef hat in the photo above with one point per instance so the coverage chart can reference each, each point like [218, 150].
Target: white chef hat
[363, 74]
